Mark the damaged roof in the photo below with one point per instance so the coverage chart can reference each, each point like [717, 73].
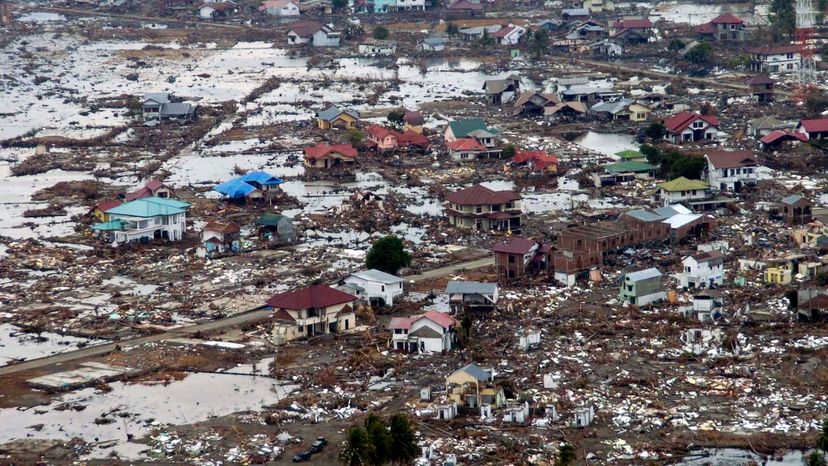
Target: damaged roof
[481, 195]
[317, 296]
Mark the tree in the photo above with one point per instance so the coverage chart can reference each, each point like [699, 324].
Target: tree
[651, 152]
[688, 167]
[396, 117]
[822, 441]
[380, 33]
[675, 45]
[782, 19]
[815, 459]
[655, 131]
[353, 31]
[538, 43]
[354, 136]
[388, 254]
[700, 54]
[816, 102]
[357, 449]
[566, 455]
[508, 151]
[452, 29]
[380, 439]
[339, 5]
[404, 447]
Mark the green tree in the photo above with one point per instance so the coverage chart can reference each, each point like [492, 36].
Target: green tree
[354, 136]
[816, 102]
[380, 33]
[822, 441]
[353, 31]
[538, 43]
[396, 117]
[782, 19]
[404, 449]
[675, 45]
[388, 254]
[688, 167]
[700, 54]
[651, 152]
[357, 449]
[508, 151]
[816, 458]
[380, 440]
[452, 29]
[566, 455]
[339, 5]
[655, 131]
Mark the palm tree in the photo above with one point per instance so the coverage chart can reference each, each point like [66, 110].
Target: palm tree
[380, 440]
[566, 455]
[404, 449]
[357, 450]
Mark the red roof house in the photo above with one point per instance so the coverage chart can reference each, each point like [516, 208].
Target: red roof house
[691, 126]
[516, 256]
[813, 129]
[327, 155]
[538, 160]
[315, 310]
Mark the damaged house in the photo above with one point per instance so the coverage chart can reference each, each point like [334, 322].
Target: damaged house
[642, 288]
[221, 237]
[533, 103]
[473, 387]
[145, 219]
[775, 59]
[163, 106]
[471, 296]
[432, 332]
[516, 257]
[329, 156]
[316, 310]
[276, 229]
[373, 286]
[538, 161]
[500, 91]
[316, 34]
[482, 209]
[702, 270]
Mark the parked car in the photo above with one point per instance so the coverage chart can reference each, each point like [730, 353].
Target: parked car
[302, 456]
[318, 445]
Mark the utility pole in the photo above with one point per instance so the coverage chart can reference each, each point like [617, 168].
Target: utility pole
[806, 75]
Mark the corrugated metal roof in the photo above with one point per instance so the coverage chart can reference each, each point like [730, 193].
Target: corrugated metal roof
[470, 287]
[375, 275]
[475, 371]
[150, 207]
[642, 274]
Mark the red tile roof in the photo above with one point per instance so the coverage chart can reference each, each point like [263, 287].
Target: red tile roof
[221, 227]
[305, 28]
[760, 79]
[681, 121]
[727, 18]
[633, 24]
[481, 195]
[819, 125]
[465, 5]
[541, 159]
[514, 245]
[107, 204]
[317, 296]
[154, 184]
[321, 150]
[138, 194]
[376, 131]
[731, 159]
[706, 28]
[778, 134]
[442, 319]
[778, 50]
[413, 138]
[503, 32]
[465, 144]
[414, 118]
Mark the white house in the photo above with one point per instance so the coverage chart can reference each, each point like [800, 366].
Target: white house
[375, 286]
[307, 312]
[682, 190]
[432, 332]
[433, 44]
[510, 35]
[411, 5]
[280, 8]
[781, 59]
[214, 10]
[707, 306]
[691, 127]
[378, 47]
[146, 218]
[731, 170]
[326, 37]
[702, 270]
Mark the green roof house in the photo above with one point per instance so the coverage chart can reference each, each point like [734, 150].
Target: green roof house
[631, 155]
[276, 229]
[684, 191]
[621, 172]
[470, 128]
[145, 219]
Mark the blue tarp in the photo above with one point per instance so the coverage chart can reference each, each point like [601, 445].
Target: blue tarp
[234, 189]
[263, 178]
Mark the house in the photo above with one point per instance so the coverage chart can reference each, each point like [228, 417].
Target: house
[623, 110]
[765, 125]
[691, 127]
[599, 6]
[374, 286]
[812, 305]
[252, 186]
[472, 386]
[516, 256]
[587, 31]
[642, 288]
[280, 7]
[677, 221]
[630, 155]
[725, 27]
[796, 210]
[761, 87]
[631, 30]
[413, 121]
[509, 35]
[778, 275]
[276, 229]
[145, 219]
[476, 33]
[381, 6]
[216, 10]
[606, 48]
[471, 296]
[706, 307]
[221, 237]
[533, 103]
[731, 170]
[153, 188]
[779, 59]
[465, 149]
[383, 137]
[433, 44]
[316, 7]
[378, 47]
[622, 172]
[537, 161]
[301, 32]
[163, 106]
[575, 14]
[813, 129]
[465, 8]
[702, 270]
[99, 210]
[500, 91]
[457, 129]
[483, 209]
[582, 417]
[681, 190]
[588, 93]
[316, 310]
[551, 25]
[565, 111]
[779, 139]
[333, 117]
[432, 332]
[328, 156]
[408, 5]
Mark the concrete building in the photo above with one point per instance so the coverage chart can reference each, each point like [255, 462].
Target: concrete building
[642, 288]
[374, 286]
[702, 270]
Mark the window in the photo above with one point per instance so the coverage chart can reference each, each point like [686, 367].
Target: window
[383, 287]
[790, 66]
[479, 209]
[789, 56]
[301, 328]
[698, 124]
[687, 269]
[510, 205]
[511, 259]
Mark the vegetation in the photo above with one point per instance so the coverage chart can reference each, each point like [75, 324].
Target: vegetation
[377, 443]
[782, 20]
[538, 43]
[674, 164]
[655, 131]
[700, 54]
[566, 455]
[388, 254]
[817, 456]
[339, 5]
[354, 136]
[396, 117]
[816, 102]
[509, 151]
[353, 31]
[452, 29]
[380, 33]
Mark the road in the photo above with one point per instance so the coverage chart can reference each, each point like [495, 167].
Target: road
[247, 317]
[151, 19]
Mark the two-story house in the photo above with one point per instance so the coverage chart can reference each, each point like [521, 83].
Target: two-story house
[631, 30]
[731, 170]
[702, 270]
[780, 59]
[691, 127]
[145, 219]
[725, 27]
[483, 209]
[163, 106]
[406, 5]
[374, 286]
[761, 87]
[682, 190]
[280, 7]
[516, 257]
[316, 310]
[432, 332]
[642, 288]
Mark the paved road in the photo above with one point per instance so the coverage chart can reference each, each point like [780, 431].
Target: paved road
[218, 324]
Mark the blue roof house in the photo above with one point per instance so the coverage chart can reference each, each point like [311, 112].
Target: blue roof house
[145, 219]
[252, 186]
